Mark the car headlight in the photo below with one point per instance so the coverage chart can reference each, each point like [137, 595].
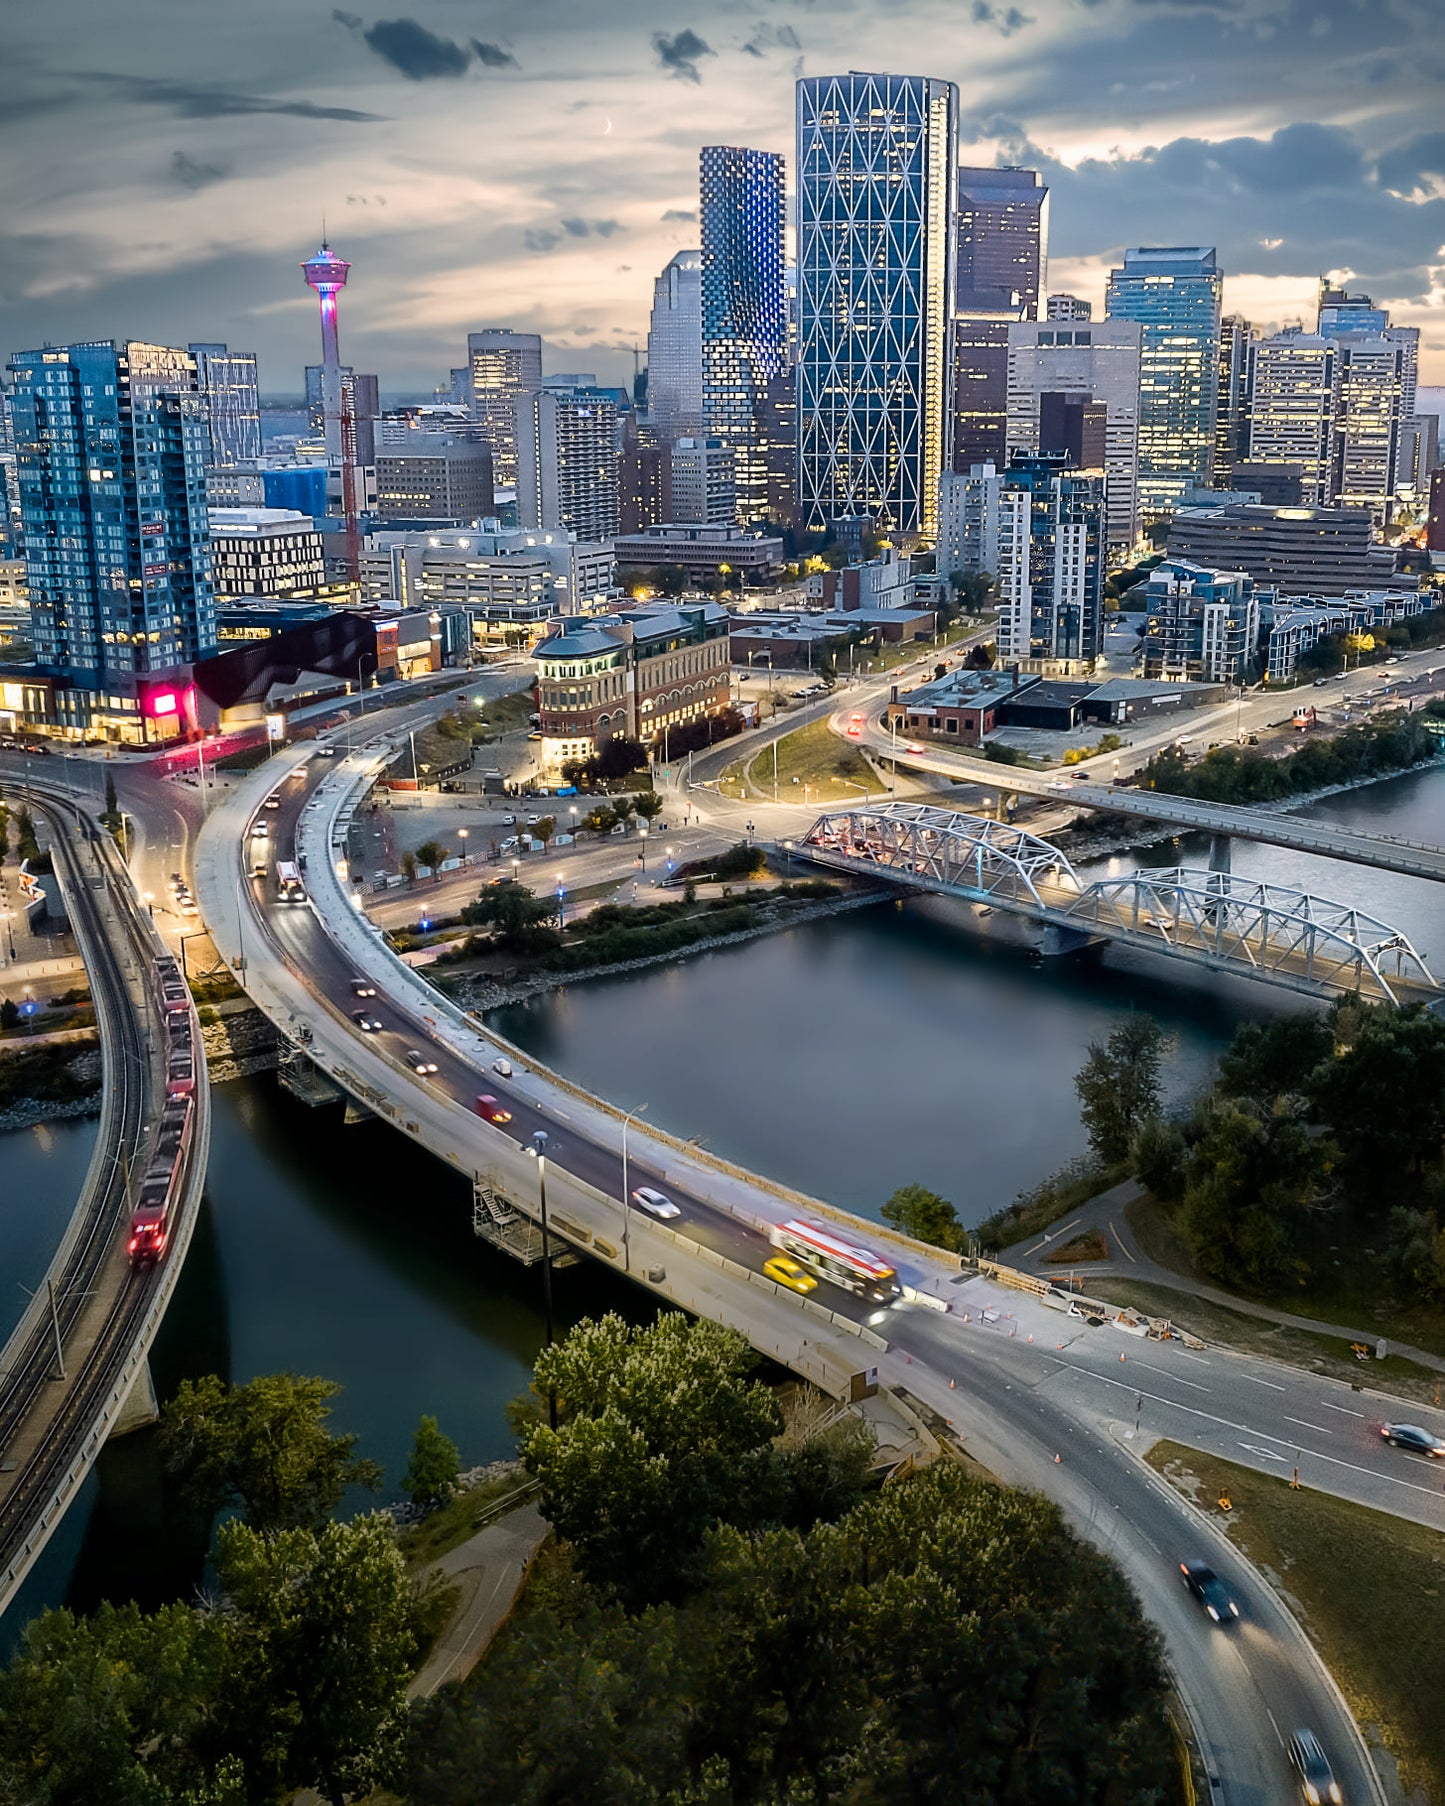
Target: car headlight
[1312, 1793]
[1213, 1614]
[1234, 1609]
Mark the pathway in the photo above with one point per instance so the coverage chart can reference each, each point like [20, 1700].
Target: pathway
[490, 1569]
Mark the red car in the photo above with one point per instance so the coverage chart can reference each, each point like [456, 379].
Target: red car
[488, 1107]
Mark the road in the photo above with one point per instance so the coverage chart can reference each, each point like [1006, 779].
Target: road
[1016, 1403]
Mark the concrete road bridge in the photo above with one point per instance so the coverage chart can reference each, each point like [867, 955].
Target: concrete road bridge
[1208, 918]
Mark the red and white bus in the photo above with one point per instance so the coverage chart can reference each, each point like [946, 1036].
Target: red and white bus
[856, 1269]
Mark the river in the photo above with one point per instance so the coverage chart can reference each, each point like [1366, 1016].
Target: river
[846, 1057]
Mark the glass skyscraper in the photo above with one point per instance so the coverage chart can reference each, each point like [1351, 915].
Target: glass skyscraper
[875, 161]
[1174, 292]
[674, 349]
[744, 311]
[1002, 246]
[506, 370]
[111, 446]
[228, 381]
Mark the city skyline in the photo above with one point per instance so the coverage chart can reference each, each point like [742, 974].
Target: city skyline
[1297, 140]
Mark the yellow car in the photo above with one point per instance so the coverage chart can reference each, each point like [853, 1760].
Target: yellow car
[788, 1273]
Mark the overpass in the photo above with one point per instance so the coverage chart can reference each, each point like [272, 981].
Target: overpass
[80, 1350]
[1207, 918]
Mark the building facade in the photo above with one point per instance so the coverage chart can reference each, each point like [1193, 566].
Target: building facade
[567, 465]
[875, 163]
[434, 477]
[674, 349]
[1292, 397]
[111, 446]
[1001, 234]
[968, 517]
[704, 553]
[1173, 292]
[1298, 551]
[1231, 412]
[701, 487]
[265, 552]
[1068, 307]
[1371, 412]
[504, 367]
[1049, 531]
[228, 381]
[1203, 625]
[744, 300]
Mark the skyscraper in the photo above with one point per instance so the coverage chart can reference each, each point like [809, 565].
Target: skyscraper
[674, 349]
[1292, 398]
[1047, 536]
[875, 163]
[1374, 374]
[1231, 409]
[506, 368]
[1002, 232]
[744, 309]
[111, 445]
[567, 475]
[1174, 293]
[227, 379]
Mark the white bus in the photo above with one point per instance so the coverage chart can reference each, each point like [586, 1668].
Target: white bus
[289, 888]
[856, 1269]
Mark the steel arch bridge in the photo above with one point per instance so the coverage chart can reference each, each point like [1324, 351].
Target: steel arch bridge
[1211, 919]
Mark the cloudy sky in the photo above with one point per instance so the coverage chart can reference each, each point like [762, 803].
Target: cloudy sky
[166, 164]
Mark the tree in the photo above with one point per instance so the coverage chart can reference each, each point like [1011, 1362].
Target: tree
[263, 1447]
[432, 853]
[1272, 1059]
[925, 1216]
[544, 828]
[320, 1651]
[622, 807]
[600, 819]
[1254, 1172]
[1383, 1100]
[435, 1464]
[521, 920]
[26, 845]
[975, 591]
[1160, 1158]
[9, 1014]
[1118, 1085]
[649, 805]
[1414, 1251]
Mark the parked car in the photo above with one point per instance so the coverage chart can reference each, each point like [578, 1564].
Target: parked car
[1209, 1590]
[1411, 1437]
[656, 1202]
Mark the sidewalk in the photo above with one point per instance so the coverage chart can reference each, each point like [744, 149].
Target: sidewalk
[490, 1568]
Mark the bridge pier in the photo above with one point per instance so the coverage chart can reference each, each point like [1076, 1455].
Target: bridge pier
[140, 1407]
[1219, 852]
[1059, 940]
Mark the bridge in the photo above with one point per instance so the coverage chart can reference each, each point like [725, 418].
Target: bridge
[1208, 918]
[75, 1368]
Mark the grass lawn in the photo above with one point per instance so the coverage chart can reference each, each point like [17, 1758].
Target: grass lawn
[832, 770]
[1369, 1588]
[449, 1527]
[506, 714]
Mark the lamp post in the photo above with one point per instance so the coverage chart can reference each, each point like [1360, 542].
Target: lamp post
[462, 837]
[516, 867]
[561, 905]
[539, 1150]
[150, 904]
[642, 840]
[626, 1194]
[669, 862]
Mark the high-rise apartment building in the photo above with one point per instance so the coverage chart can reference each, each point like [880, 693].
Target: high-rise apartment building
[1081, 363]
[1231, 413]
[701, 486]
[674, 349]
[228, 381]
[1047, 535]
[434, 477]
[968, 516]
[1370, 411]
[1174, 293]
[1068, 307]
[111, 446]
[1419, 453]
[567, 448]
[1202, 625]
[1291, 400]
[506, 367]
[876, 194]
[1001, 233]
[744, 302]
[265, 554]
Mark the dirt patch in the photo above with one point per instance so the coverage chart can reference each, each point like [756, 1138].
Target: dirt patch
[1080, 1248]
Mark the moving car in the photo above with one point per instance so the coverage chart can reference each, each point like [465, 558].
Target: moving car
[488, 1107]
[419, 1062]
[1410, 1436]
[786, 1272]
[362, 987]
[1209, 1590]
[273, 802]
[913, 748]
[370, 1025]
[656, 1202]
[1317, 1783]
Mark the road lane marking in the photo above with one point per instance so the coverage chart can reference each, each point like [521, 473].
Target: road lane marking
[1319, 1427]
[1198, 1359]
[1259, 1382]
[1271, 1717]
[1265, 1454]
[1053, 1235]
[1344, 1410]
[1178, 1378]
[1123, 1249]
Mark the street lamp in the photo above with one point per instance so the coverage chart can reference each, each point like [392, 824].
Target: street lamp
[788, 851]
[539, 1150]
[669, 862]
[642, 840]
[749, 827]
[462, 837]
[626, 1195]
[561, 905]
[516, 867]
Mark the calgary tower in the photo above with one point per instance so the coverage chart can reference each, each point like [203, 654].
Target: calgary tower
[327, 273]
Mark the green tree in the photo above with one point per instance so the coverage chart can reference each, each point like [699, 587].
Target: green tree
[319, 1651]
[520, 920]
[649, 805]
[1254, 1173]
[1118, 1085]
[1383, 1100]
[435, 1464]
[263, 1447]
[1273, 1059]
[622, 807]
[544, 828]
[1414, 1252]
[432, 853]
[9, 1014]
[26, 845]
[600, 819]
[1160, 1158]
[925, 1216]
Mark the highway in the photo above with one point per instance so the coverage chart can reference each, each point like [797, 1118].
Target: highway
[1016, 1403]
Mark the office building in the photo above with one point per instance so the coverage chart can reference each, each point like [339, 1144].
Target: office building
[777, 446]
[1276, 485]
[674, 349]
[228, 381]
[1202, 626]
[885, 582]
[968, 515]
[435, 477]
[1370, 412]
[1173, 292]
[1419, 453]
[1048, 529]
[705, 554]
[644, 477]
[567, 447]
[744, 301]
[273, 553]
[1292, 400]
[1231, 415]
[701, 483]
[876, 194]
[636, 673]
[505, 367]
[1001, 236]
[1297, 551]
[1056, 373]
[1068, 307]
[508, 581]
[1339, 311]
[111, 442]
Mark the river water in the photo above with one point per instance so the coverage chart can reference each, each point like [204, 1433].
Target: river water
[846, 1057]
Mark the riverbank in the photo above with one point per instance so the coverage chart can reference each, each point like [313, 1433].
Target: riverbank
[48, 1084]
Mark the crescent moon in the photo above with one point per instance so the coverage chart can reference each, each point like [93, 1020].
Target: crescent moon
[607, 128]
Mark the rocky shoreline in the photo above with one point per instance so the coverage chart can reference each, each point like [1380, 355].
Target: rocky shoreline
[36, 1110]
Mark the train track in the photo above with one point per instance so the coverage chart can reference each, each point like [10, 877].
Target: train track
[101, 1306]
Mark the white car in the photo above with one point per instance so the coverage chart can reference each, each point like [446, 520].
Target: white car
[655, 1202]
[503, 1068]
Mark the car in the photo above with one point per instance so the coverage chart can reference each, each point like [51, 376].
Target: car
[368, 1024]
[656, 1203]
[502, 1067]
[177, 880]
[362, 987]
[419, 1062]
[325, 752]
[1410, 1436]
[854, 731]
[857, 715]
[914, 748]
[1209, 1590]
[272, 802]
[187, 908]
[488, 1107]
[1317, 1783]
[785, 1272]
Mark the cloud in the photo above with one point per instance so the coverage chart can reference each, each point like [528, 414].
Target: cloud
[541, 241]
[682, 214]
[1006, 23]
[772, 37]
[492, 56]
[587, 228]
[352, 21]
[191, 174]
[418, 54]
[1415, 169]
[205, 100]
[679, 54]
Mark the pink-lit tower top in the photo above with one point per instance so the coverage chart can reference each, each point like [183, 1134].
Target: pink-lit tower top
[327, 273]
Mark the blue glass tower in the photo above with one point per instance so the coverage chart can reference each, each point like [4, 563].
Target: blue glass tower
[111, 446]
[876, 163]
[1174, 292]
[744, 312]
